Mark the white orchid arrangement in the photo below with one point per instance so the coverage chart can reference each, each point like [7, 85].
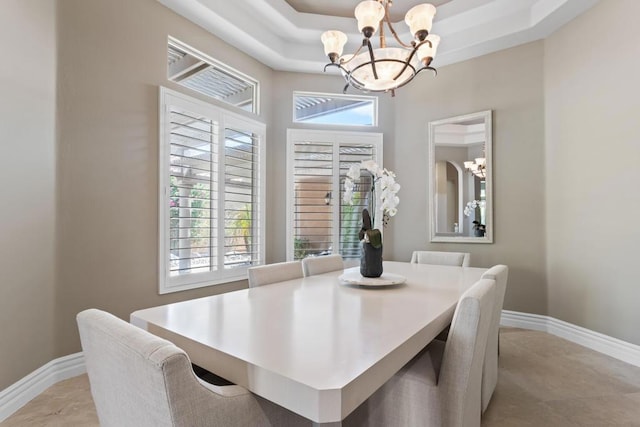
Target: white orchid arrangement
[473, 205]
[386, 181]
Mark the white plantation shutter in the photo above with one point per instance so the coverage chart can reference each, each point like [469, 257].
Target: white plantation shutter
[318, 221]
[313, 188]
[211, 181]
[351, 215]
[192, 192]
[241, 202]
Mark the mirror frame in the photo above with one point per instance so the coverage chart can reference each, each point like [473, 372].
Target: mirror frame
[488, 237]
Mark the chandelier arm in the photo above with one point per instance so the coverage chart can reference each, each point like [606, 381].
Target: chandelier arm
[344, 71]
[351, 81]
[416, 46]
[352, 56]
[408, 60]
[406, 64]
[393, 31]
[373, 60]
[402, 84]
[410, 79]
[383, 39]
[332, 64]
[435, 72]
[348, 76]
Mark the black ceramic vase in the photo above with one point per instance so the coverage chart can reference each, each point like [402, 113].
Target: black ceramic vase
[371, 261]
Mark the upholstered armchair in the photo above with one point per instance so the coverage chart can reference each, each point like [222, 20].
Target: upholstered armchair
[499, 273]
[140, 380]
[441, 386]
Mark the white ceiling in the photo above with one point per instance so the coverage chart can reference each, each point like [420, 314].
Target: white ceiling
[345, 8]
[282, 35]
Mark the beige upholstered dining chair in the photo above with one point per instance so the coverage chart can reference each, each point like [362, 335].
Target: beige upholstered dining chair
[499, 273]
[272, 273]
[460, 259]
[322, 264]
[140, 380]
[441, 386]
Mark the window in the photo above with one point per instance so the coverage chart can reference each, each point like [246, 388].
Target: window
[318, 222]
[207, 76]
[332, 109]
[211, 189]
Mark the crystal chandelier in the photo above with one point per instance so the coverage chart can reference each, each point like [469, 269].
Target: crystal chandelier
[478, 167]
[384, 69]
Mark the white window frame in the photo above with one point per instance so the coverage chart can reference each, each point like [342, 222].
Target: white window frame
[172, 41]
[374, 99]
[226, 119]
[336, 138]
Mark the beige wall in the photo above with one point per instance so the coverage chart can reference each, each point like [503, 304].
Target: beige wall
[112, 60]
[510, 83]
[110, 63]
[27, 216]
[592, 115]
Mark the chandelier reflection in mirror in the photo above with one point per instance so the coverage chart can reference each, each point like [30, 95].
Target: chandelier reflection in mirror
[477, 167]
[384, 69]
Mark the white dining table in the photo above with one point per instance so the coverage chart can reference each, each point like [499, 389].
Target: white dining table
[315, 345]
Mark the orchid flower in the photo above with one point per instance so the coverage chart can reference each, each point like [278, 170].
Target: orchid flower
[386, 183]
[472, 205]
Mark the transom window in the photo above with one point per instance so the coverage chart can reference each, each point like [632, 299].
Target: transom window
[334, 109]
[211, 189]
[203, 74]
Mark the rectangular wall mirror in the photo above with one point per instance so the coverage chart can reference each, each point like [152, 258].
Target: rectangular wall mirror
[460, 183]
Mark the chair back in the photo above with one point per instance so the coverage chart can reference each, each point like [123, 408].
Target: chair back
[460, 375]
[322, 264]
[500, 274]
[126, 368]
[272, 273]
[459, 259]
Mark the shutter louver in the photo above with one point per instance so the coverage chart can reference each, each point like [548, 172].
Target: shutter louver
[193, 174]
[351, 215]
[313, 183]
[241, 199]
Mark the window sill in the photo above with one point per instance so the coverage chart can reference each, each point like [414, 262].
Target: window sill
[165, 288]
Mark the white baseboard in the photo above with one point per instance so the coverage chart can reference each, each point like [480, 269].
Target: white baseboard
[17, 395]
[516, 319]
[621, 350]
